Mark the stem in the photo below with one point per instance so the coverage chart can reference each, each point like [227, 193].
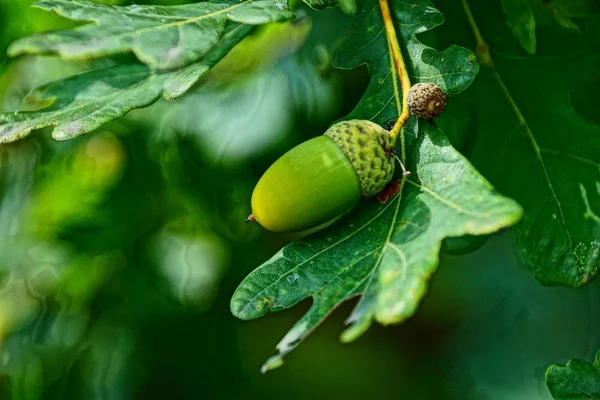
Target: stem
[395, 81]
[399, 107]
[390, 32]
[482, 50]
[472, 23]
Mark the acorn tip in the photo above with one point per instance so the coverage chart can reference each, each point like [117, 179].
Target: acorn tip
[250, 218]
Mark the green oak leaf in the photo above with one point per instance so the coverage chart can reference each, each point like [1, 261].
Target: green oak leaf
[452, 69]
[534, 145]
[521, 21]
[163, 37]
[385, 253]
[577, 380]
[81, 103]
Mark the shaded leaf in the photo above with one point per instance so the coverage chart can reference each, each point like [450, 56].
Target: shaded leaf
[534, 146]
[464, 244]
[574, 8]
[163, 37]
[384, 253]
[565, 21]
[521, 21]
[577, 380]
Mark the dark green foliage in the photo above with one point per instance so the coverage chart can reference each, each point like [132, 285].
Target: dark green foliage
[533, 143]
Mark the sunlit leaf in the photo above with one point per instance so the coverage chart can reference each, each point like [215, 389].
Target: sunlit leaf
[321, 4]
[178, 44]
[574, 8]
[164, 37]
[84, 102]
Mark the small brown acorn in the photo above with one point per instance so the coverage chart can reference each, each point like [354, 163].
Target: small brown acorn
[426, 100]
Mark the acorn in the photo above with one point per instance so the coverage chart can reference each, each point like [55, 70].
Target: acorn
[426, 100]
[324, 177]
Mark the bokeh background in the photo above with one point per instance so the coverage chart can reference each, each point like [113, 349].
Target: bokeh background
[120, 250]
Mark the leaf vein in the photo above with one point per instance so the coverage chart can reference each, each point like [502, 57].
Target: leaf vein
[257, 295]
[447, 202]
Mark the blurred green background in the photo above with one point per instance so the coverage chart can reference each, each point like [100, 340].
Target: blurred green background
[120, 250]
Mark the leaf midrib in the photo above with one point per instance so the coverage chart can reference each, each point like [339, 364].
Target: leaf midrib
[536, 149]
[66, 110]
[448, 203]
[179, 23]
[101, 6]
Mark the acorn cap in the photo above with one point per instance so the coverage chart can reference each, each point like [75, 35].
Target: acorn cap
[369, 149]
[426, 100]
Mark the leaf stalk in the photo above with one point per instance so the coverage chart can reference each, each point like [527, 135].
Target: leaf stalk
[400, 67]
[396, 54]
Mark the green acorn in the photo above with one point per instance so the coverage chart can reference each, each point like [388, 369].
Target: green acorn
[324, 177]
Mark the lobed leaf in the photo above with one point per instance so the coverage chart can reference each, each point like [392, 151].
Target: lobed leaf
[384, 253]
[96, 98]
[534, 145]
[577, 380]
[163, 37]
[82, 103]
[452, 69]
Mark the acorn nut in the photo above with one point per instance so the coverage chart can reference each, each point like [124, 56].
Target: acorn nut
[324, 177]
[426, 100]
